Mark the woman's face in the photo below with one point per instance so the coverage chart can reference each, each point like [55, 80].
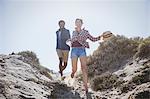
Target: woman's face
[78, 23]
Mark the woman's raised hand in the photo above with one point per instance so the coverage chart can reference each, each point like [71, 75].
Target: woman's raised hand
[106, 35]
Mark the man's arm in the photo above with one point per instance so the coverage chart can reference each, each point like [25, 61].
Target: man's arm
[68, 35]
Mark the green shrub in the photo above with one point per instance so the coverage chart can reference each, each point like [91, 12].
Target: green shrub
[143, 95]
[29, 57]
[143, 50]
[103, 82]
[118, 83]
[115, 53]
[45, 71]
[124, 88]
[142, 78]
[111, 55]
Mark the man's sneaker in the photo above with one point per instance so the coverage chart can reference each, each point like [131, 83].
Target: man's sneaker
[86, 91]
[63, 77]
[61, 73]
[72, 75]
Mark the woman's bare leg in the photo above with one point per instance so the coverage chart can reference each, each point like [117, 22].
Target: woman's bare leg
[84, 71]
[74, 66]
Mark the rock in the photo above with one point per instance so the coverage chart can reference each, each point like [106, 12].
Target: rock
[2, 60]
[22, 81]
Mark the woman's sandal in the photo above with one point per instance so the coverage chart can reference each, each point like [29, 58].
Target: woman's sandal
[86, 91]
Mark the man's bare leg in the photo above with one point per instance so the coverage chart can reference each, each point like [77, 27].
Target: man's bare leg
[60, 66]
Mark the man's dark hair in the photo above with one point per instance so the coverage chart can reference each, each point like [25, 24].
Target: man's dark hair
[80, 20]
[61, 21]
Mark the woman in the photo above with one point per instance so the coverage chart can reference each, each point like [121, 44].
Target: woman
[78, 44]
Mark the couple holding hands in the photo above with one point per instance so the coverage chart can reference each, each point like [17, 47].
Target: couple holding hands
[78, 46]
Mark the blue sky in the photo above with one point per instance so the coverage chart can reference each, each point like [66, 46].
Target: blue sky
[31, 24]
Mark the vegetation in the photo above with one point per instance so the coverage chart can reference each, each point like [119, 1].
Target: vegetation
[30, 57]
[103, 82]
[111, 56]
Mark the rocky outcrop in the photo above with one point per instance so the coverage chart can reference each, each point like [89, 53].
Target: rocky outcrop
[119, 69]
[19, 80]
[131, 82]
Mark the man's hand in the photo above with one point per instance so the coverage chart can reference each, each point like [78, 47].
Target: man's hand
[68, 42]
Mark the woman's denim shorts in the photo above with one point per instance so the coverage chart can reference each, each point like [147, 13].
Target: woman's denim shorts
[77, 52]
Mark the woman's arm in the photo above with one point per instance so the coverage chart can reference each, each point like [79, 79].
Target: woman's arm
[74, 38]
[93, 39]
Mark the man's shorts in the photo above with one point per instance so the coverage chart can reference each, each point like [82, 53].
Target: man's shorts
[63, 54]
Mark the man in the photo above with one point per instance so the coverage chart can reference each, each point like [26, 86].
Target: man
[62, 48]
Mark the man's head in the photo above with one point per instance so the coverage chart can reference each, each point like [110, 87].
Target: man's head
[61, 23]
